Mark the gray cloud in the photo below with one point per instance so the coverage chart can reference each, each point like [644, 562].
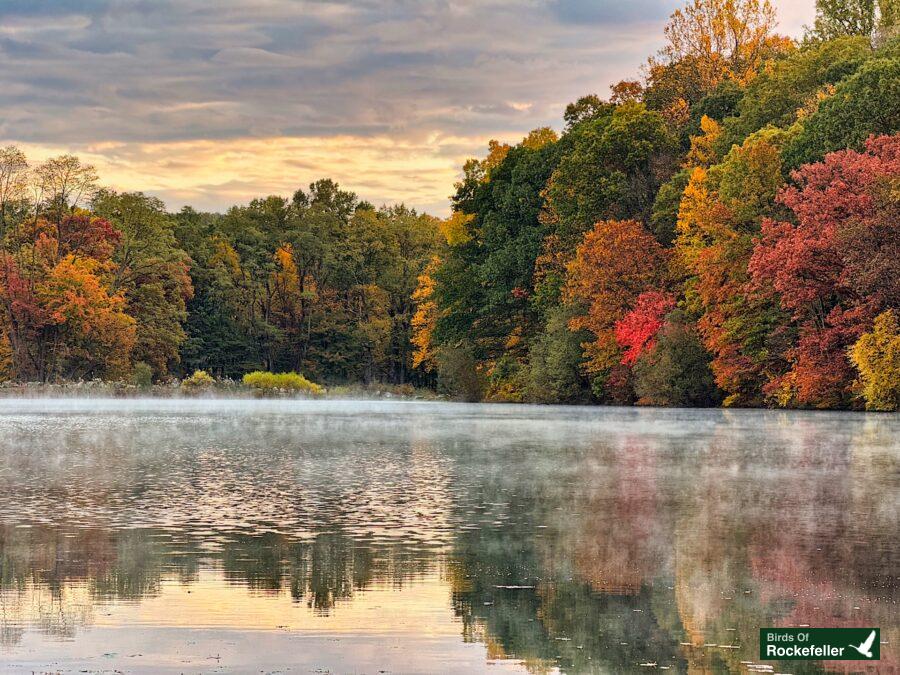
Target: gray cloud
[82, 72]
[92, 70]
[591, 11]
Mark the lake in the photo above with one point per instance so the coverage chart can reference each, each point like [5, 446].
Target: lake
[191, 536]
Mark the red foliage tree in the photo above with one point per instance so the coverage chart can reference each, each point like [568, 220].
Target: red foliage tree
[615, 262]
[836, 268]
[636, 331]
[57, 308]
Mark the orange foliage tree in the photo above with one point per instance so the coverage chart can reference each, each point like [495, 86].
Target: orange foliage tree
[61, 316]
[615, 263]
[719, 215]
[708, 42]
[424, 319]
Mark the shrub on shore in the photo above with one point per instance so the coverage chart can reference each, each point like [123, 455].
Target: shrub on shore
[142, 375]
[265, 381]
[198, 381]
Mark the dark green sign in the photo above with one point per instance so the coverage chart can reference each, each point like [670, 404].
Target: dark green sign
[819, 644]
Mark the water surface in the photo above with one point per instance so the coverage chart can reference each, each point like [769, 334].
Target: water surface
[336, 536]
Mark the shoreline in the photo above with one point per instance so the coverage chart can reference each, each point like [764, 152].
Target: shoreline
[220, 390]
[235, 391]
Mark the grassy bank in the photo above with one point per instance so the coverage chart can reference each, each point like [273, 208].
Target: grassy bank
[217, 389]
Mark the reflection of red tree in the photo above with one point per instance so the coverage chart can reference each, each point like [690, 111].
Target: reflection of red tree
[813, 550]
[791, 573]
[619, 540]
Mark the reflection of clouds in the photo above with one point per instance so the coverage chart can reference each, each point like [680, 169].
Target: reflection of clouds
[217, 476]
[311, 509]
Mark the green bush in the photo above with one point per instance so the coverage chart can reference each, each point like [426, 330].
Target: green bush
[265, 381]
[199, 380]
[676, 371]
[141, 374]
[506, 382]
[554, 362]
[458, 375]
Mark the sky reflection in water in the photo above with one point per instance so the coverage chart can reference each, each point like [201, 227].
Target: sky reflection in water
[356, 536]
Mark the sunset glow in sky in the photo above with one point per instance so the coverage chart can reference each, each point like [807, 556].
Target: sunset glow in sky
[213, 102]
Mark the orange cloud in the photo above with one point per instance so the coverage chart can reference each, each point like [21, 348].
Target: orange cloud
[211, 174]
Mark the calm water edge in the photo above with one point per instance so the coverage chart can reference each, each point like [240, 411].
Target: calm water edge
[340, 536]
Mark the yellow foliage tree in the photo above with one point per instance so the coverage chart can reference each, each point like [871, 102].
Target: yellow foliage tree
[6, 358]
[538, 138]
[722, 39]
[425, 319]
[287, 301]
[876, 356]
[455, 228]
[702, 152]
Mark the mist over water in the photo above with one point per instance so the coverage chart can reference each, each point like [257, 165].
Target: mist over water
[191, 535]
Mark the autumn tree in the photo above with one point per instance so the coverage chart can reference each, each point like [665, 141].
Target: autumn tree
[835, 268]
[719, 215]
[92, 334]
[626, 91]
[60, 313]
[13, 181]
[26, 324]
[616, 262]
[425, 319]
[876, 356]
[707, 42]
[62, 183]
[636, 331]
[538, 138]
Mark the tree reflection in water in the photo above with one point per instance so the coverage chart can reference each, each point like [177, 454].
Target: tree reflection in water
[583, 540]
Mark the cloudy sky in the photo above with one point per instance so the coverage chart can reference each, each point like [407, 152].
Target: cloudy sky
[212, 102]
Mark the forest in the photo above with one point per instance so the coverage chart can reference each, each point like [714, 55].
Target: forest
[723, 229]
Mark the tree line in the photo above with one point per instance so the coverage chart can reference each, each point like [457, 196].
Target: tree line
[100, 284]
[722, 229]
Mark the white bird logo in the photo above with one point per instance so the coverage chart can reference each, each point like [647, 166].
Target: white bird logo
[866, 647]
